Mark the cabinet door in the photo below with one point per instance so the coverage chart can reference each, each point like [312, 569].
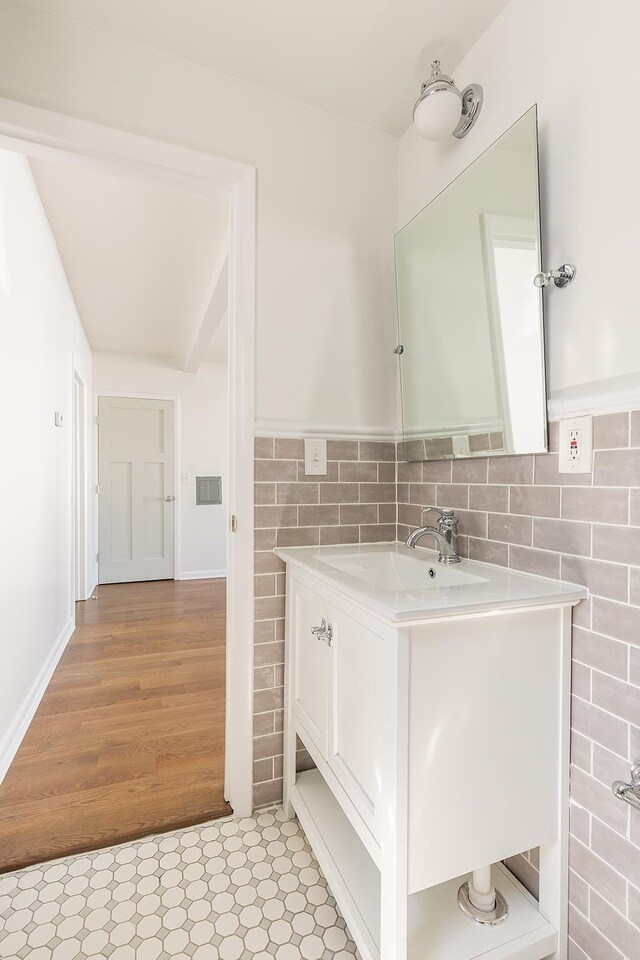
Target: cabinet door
[310, 683]
[356, 712]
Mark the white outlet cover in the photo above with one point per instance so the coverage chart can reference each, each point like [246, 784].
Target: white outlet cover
[582, 463]
[315, 458]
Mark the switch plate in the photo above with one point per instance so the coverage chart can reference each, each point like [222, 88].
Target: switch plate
[58, 419]
[575, 445]
[315, 458]
[460, 445]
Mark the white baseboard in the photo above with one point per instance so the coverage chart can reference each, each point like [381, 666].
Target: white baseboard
[89, 591]
[14, 736]
[202, 574]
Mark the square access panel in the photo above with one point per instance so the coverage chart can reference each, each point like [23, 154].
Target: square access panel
[208, 490]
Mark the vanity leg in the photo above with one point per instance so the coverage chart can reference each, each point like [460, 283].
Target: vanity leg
[289, 770]
[554, 857]
[393, 915]
[393, 733]
[289, 749]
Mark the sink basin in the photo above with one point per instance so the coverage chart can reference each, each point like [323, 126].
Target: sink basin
[399, 572]
[402, 583]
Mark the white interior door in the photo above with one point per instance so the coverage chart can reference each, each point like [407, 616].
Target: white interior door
[136, 496]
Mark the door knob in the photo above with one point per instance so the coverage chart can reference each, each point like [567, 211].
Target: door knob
[169, 498]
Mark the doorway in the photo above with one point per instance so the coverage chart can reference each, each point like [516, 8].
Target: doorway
[43, 134]
[137, 507]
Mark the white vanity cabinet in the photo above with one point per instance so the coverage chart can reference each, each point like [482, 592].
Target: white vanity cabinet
[438, 722]
[311, 669]
[334, 689]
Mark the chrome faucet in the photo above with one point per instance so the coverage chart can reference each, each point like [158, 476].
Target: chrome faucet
[445, 535]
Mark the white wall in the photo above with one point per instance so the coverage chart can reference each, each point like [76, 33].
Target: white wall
[558, 55]
[202, 530]
[42, 340]
[326, 205]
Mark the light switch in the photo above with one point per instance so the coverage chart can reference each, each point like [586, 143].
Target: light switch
[460, 445]
[315, 457]
[58, 419]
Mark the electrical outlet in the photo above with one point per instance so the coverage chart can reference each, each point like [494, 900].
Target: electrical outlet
[575, 445]
[315, 457]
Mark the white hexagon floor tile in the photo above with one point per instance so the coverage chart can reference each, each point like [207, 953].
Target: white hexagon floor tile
[232, 889]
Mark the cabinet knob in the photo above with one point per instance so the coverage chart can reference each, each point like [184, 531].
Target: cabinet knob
[324, 631]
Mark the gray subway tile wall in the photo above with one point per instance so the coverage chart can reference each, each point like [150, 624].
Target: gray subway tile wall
[584, 528]
[355, 502]
[519, 512]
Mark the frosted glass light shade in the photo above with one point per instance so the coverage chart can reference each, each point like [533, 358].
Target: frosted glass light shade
[438, 114]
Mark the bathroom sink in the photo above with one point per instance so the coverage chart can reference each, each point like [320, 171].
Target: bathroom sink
[408, 584]
[390, 570]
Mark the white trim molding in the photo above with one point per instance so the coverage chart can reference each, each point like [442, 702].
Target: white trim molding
[202, 574]
[10, 742]
[615, 395]
[324, 431]
[90, 590]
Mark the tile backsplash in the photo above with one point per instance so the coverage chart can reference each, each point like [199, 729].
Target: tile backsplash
[354, 503]
[519, 512]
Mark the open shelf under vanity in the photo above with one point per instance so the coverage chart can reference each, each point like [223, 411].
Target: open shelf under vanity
[437, 929]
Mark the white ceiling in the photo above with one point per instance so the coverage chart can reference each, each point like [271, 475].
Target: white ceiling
[362, 59]
[139, 257]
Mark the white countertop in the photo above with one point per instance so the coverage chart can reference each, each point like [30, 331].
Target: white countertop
[492, 587]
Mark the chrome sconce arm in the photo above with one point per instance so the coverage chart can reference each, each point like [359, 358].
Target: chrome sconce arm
[561, 277]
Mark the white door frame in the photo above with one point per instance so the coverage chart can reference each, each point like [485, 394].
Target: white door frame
[81, 486]
[129, 395]
[42, 133]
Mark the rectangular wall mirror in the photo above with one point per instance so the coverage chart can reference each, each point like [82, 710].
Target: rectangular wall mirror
[469, 316]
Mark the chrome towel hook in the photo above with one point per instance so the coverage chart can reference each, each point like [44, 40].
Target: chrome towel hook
[561, 277]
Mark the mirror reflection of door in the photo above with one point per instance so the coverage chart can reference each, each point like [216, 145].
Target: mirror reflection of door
[511, 252]
[136, 496]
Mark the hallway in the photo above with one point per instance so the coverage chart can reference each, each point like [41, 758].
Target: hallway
[129, 737]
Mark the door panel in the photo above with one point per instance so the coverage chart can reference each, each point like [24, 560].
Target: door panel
[310, 691]
[153, 509]
[356, 708]
[136, 473]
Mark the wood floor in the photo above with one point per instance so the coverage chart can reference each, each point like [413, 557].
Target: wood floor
[129, 737]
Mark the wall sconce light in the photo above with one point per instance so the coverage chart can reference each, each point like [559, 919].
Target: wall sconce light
[441, 110]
